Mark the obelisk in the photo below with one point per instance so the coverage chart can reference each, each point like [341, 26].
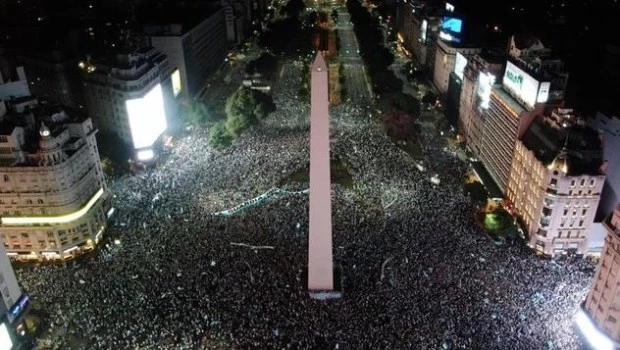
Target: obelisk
[320, 264]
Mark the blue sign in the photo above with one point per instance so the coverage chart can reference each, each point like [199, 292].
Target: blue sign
[451, 24]
[19, 306]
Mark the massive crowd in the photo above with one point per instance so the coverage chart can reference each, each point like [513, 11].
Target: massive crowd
[416, 271]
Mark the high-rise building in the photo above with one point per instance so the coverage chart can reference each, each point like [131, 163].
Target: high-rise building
[556, 178]
[236, 18]
[599, 319]
[130, 95]
[9, 289]
[479, 76]
[13, 83]
[418, 25]
[54, 77]
[53, 197]
[446, 60]
[609, 129]
[197, 48]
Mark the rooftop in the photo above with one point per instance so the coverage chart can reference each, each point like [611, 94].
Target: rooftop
[578, 148]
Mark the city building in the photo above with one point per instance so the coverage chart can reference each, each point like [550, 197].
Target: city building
[131, 95]
[418, 24]
[479, 76]
[236, 19]
[555, 183]
[13, 83]
[609, 129]
[599, 317]
[446, 60]
[9, 289]
[54, 77]
[196, 46]
[53, 197]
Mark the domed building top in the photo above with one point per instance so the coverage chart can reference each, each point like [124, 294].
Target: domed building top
[44, 131]
[560, 162]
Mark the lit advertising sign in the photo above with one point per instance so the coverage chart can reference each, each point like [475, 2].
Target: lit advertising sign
[147, 118]
[485, 84]
[452, 25]
[176, 83]
[449, 7]
[424, 29]
[459, 65]
[5, 339]
[521, 84]
[543, 92]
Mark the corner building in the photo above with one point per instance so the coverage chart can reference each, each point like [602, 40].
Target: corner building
[556, 179]
[53, 197]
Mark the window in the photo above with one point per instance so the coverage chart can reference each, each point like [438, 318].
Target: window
[611, 319]
[584, 212]
[565, 212]
[40, 201]
[6, 178]
[554, 182]
[592, 182]
[572, 183]
[583, 182]
[547, 211]
[580, 223]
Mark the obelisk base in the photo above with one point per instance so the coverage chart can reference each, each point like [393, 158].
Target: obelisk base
[335, 293]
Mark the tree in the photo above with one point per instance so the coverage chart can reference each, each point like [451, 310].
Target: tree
[265, 65]
[429, 98]
[197, 113]
[386, 82]
[108, 167]
[294, 7]
[398, 125]
[477, 192]
[407, 104]
[219, 136]
[245, 108]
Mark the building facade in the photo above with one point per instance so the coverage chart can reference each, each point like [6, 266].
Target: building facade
[556, 178]
[53, 197]
[111, 83]
[609, 129]
[55, 78]
[9, 288]
[599, 320]
[197, 50]
[13, 84]
[445, 59]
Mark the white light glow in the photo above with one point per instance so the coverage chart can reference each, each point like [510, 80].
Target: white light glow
[67, 251]
[424, 29]
[147, 118]
[459, 65]
[46, 220]
[449, 7]
[176, 83]
[485, 84]
[445, 36]
[110, 212]
[146, 154]
[5, 339]
[596, 338]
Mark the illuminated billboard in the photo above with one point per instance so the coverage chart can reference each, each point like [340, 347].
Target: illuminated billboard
[449, 7]
[485, 84]
[147, 118]
[423, 30]
[5, 339]
[521, 84]
[452, 25]
[176, 83]
[459, 65]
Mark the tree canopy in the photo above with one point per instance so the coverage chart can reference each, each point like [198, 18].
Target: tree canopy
[477, 192]
[219, 136]
[245, 108]
[398, 125]
[407, 104]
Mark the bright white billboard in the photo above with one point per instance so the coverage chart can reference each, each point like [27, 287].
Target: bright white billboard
[485, 84]
[5, 339]
[528, 89]
[459, 65]
[176, 83]
[424, 29]
[147, 118]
